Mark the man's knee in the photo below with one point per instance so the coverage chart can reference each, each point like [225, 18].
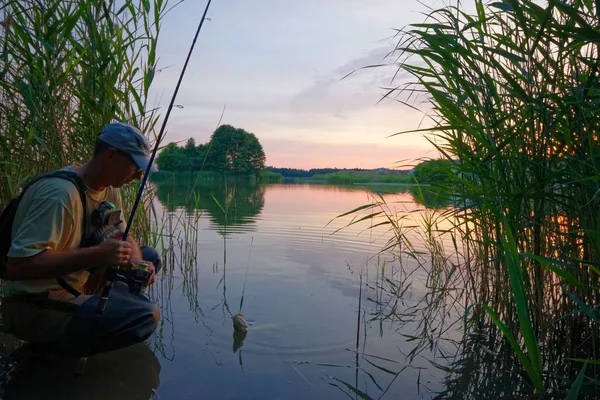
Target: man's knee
[156, 316]
[150, 254]
[149, 323]
[127, 320]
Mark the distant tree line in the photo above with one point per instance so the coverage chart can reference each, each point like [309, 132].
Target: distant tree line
[230, 151]
[303, 173]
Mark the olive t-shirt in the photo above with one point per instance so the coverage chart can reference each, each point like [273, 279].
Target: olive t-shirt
[49, 217]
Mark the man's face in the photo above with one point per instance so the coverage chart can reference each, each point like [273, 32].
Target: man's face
[121, 169]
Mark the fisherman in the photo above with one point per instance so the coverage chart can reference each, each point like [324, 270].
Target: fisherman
[52, 282]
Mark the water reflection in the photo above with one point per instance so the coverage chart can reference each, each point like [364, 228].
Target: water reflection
[365, 365]
[317, 329]
[386, 299]
[484, 367]
[477, 359]
[233, 204]
[431, 197]
[129, 373]
[163, 340]
[428, 196]
[295, 236]
[309, 336]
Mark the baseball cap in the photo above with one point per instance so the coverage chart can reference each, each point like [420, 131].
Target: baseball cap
[130, 140]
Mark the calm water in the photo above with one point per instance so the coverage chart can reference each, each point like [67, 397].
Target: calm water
[277, 246]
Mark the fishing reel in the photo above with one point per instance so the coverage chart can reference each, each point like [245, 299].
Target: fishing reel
[106, 214]
[135, 276]
[104, 219]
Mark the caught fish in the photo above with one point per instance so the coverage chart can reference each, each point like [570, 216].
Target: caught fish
[240, 330]
[239, 323]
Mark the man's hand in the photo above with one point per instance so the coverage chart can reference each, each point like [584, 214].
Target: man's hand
[115, 252]
[152, 278]
[136, 251]
[151, 268]
[52, 264]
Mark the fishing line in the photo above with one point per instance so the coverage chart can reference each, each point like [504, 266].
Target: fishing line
[110, 282]
[246, 278]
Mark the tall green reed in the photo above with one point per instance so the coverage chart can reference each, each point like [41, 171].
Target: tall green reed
[66, 69]
[512, 94]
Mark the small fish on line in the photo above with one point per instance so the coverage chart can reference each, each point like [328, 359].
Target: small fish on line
[239, 323]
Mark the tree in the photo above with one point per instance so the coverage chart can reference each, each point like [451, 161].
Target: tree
[433, 171]
[170, 158]
[230, 151]
[201, 150]
[235, 151]
[190, 147]
[193, 158]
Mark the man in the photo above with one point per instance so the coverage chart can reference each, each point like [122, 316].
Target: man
[50, 296]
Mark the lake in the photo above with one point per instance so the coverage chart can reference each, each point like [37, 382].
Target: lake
[329, 317]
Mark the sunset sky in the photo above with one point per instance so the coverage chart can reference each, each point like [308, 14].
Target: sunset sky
[278, 67]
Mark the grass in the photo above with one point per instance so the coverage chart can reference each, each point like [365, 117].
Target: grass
[271, 177]
[359, 178]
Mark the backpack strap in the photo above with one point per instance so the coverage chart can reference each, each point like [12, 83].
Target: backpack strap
[76, 180]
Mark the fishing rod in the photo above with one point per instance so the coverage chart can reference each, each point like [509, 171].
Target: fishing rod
[111, 280]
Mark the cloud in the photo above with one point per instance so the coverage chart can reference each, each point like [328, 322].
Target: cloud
[286, 82]
[355, 85]
[377, 56]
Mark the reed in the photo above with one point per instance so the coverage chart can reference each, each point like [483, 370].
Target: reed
[66, 69]
[511, 96]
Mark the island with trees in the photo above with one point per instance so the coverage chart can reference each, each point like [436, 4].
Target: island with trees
[236, 152]
[230, 151]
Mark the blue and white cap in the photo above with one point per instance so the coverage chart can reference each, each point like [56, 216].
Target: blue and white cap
[130, 140]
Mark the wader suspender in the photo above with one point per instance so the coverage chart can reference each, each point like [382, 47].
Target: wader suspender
[81, 188]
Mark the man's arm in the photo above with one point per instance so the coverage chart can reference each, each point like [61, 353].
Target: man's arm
[52, 264]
